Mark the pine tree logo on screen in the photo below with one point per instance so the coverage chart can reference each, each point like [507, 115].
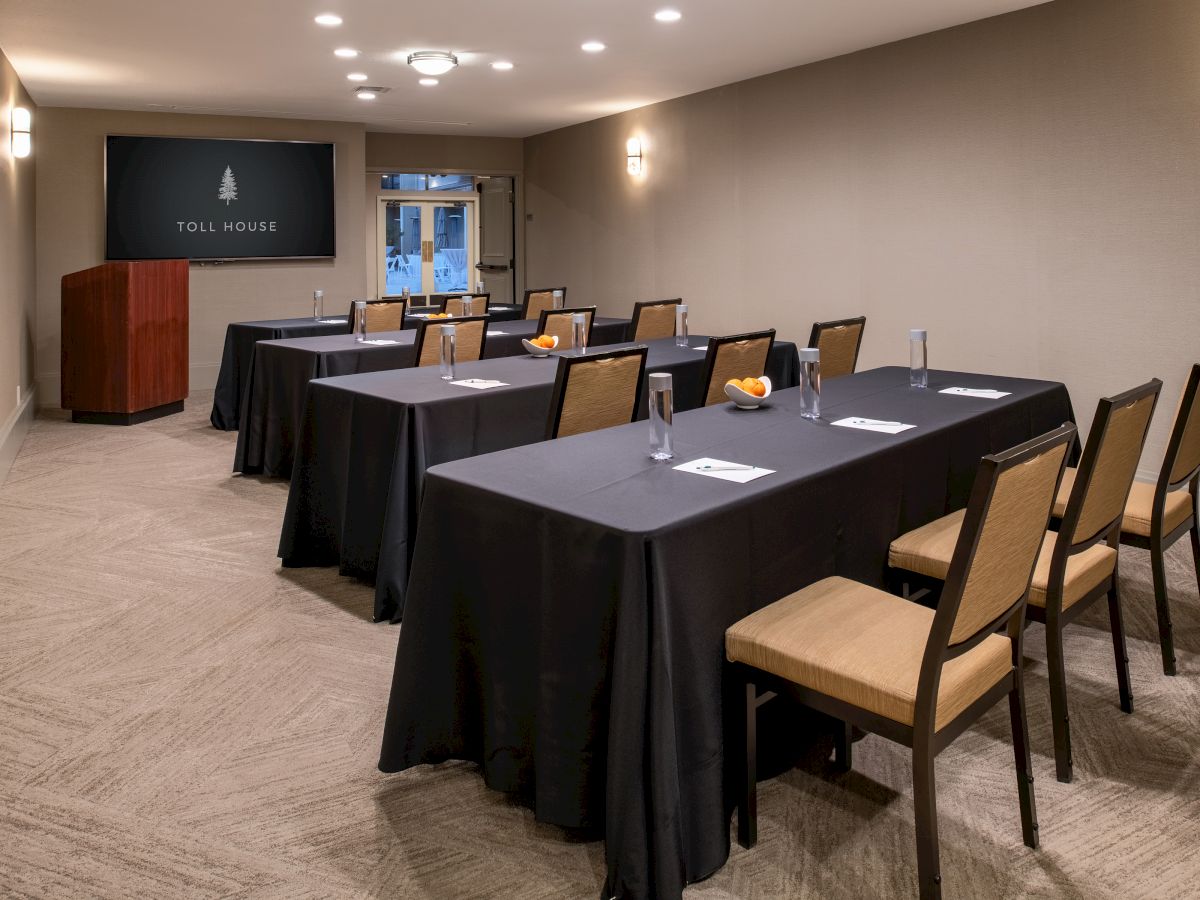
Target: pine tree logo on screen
[228, 189]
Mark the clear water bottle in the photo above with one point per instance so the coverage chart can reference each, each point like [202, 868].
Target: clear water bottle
[556, 299]
[681, 331]
[918, 359]
[579, 331]
[810, 383]
[406, 293]
[360, 320]
[446, 360]
[318, 304]
[661, 408]
[479, 287]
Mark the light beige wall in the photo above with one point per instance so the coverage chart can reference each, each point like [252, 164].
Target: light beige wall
[17, 308]
[1026, 187]
[70, 230]
[444, 153]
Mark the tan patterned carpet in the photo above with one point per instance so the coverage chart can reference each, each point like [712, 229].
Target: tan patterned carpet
[181, 718]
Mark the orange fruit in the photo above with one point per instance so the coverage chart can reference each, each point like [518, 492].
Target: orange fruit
[754, 386]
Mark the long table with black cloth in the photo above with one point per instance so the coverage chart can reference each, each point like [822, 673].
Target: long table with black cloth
[367, 440]
[279, 372]
[565, 615]
[240, 338]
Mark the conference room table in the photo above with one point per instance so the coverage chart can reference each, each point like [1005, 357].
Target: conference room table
[565, 615]
[273, 401]
[240, 338]
[367, 440]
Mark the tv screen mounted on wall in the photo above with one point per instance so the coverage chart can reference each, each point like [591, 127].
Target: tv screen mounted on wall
[207, 199]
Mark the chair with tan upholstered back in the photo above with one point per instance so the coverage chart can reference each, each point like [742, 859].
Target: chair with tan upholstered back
[537, 299]
[558, 323]
[385, 315]
[735, 356]
[467, 305]
[875, 661]
[594, 391]
[653, 319]
[839, 343]
[1078, 564]
[1159, 514]
[470, 333]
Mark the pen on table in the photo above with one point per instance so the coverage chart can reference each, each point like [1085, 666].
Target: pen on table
[873, 422]
[726, 468]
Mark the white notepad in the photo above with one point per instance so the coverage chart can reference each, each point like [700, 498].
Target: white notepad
[726, 471]
[985, 393]
[480, 384]
[873, 425]
[332, 321]
[380, 341]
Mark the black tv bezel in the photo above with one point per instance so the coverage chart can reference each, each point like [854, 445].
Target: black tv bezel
[217, 259]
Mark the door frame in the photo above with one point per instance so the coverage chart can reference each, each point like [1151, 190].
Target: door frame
[423, 199]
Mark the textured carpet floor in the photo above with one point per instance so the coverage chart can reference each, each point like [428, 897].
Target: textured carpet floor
[181, 718]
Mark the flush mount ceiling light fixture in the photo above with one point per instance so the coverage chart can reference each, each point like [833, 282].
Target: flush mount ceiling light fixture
[432, 62]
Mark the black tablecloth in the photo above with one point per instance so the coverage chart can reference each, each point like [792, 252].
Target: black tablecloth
[500, 312]
[588, 674]
[367, 440]
[240, 338]
[279, 372]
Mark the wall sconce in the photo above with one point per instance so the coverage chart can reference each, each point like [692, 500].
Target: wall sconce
[633, 156]
[22, 141]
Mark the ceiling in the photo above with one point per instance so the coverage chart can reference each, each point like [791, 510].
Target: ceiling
[253, 57]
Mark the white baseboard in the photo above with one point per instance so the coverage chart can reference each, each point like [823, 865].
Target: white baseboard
[202, 377]
[12, 433]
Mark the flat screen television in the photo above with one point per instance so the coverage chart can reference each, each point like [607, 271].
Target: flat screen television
[206, 199]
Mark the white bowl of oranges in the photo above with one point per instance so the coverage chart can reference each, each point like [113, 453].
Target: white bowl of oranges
[748, 393]
[540, 345]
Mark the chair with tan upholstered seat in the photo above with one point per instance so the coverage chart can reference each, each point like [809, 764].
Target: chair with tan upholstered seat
[1157, 515]
[734, 356]
[467, 305]
[382, 315]
[558, 323]
[537, 299]
[839, 343]
[594, 391]
[880, 663]
[470, 334]
[1078, 564]
[653, 319]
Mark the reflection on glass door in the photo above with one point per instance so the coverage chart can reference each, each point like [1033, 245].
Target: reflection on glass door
[451, 246]
[426, 246]
[402, 249]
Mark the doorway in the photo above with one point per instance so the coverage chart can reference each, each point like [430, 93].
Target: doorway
[428, 246]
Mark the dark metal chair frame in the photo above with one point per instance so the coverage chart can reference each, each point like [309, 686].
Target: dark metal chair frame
[637, 313]
[1158, 542]
[814, 337]
[547, 313]
[562, 375]
[425, 326]
[710, 357]
[921, 737]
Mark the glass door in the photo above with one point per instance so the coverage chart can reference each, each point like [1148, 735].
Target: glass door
[427, 246]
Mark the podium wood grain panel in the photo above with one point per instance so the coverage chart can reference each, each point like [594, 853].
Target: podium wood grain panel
[125, 340]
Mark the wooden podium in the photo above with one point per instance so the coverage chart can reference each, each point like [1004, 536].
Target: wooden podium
[125, 341]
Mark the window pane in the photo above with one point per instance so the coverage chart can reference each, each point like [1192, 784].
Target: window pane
[450, 249]
[402, 249]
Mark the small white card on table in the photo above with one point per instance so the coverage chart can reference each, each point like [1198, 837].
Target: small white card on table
[873, 425]
[985, 393]
[726, 471]
[480, 384]
[492, 331]
[332, 321]
[381, 341]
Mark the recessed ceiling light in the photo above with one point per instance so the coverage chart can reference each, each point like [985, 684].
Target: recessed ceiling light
[365, 95]
[502, 65]
[345, 52]
[357, 76]
[668, 15]
[329, 20]
[428, 82]
[432, 62]
[591, 47]
[369, 93]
